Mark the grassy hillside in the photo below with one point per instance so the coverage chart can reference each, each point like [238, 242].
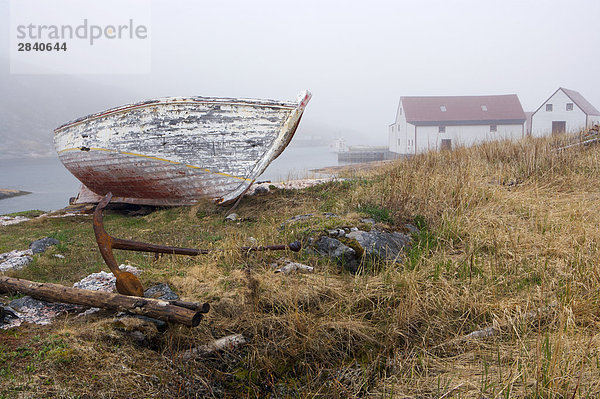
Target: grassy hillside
[508, 246]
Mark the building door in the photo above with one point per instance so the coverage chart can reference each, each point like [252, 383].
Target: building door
[446, 144]
[559, 127]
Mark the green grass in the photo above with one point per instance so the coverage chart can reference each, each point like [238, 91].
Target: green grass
[28, 214]
[376, 212]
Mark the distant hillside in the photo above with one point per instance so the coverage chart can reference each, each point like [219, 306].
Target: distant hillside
[31, 106]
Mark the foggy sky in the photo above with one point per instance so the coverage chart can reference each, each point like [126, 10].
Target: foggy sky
[358, 58]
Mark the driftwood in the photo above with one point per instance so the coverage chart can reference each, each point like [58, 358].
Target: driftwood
[496, 328]
[181, 312]
[226, 343]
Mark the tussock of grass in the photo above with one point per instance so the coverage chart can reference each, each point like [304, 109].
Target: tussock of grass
[505, 229]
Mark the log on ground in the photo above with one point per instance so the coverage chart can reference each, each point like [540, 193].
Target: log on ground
[158, 309]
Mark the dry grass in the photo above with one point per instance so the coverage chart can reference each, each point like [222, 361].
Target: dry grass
[509, 239]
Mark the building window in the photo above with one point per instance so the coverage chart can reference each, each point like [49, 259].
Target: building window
[493, 128]
[443, 108]
[484, 107]
[446, 144]
[569, 106]
[549, 107]
[442, 129]
[399, 142]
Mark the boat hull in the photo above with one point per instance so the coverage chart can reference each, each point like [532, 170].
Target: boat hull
[177, 151]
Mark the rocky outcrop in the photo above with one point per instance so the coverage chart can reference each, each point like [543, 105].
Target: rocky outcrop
[15, 260]
[41, 245]
[161, 291]
[337, 251]
[381, 245]
[349, 246]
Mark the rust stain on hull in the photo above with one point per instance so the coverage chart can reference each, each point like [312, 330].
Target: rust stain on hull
[176, 151]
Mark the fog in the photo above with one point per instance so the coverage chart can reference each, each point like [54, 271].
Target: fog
[357, 58]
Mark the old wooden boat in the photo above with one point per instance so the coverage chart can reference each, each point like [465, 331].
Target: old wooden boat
[177, 150]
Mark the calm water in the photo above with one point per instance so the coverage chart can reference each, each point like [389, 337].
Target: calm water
[52, 185]
[49, 182]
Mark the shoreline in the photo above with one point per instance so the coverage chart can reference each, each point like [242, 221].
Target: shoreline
[9, 193]
[351, 167]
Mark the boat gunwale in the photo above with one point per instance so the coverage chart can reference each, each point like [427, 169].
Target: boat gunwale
[291, 105]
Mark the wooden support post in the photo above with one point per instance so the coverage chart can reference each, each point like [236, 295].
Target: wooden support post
[158, 309]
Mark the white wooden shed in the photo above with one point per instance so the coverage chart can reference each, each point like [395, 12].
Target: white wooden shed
[565, 111]
[443, 122]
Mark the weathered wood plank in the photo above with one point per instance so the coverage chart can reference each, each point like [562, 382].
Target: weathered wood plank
[162, 310]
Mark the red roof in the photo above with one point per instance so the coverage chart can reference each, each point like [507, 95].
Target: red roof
[456, 110]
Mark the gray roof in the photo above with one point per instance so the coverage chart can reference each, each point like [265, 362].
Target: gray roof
[581, 102]
[577, 99]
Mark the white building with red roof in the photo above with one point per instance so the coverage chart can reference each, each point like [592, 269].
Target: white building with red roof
[434, 123]
[565, 111]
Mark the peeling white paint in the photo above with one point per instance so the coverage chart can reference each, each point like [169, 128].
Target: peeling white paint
[178, 150]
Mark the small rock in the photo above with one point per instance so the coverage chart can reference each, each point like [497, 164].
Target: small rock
[40, 246]
[252, 240]
[15, 263]
[39, 312]
[261, 189]
[15, 254]
[103, 281]
[336, 233]
[130, 269]
[353, 229]
[294, 266]
[329, 215]
[27, 302]
[232, 217]
[336, 250]
[368, 220]
[59, 256]
[161, 291]
[7, 314]
[381, 244]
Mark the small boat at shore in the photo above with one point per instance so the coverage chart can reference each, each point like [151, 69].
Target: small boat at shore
[177, 150]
